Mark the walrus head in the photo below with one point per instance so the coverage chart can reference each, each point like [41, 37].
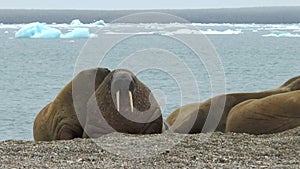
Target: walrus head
[292, 84]
[122, 87]
[124, 104]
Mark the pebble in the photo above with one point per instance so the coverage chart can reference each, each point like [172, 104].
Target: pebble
[221, 150]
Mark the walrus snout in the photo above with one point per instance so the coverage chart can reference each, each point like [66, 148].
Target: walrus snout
[122, 89]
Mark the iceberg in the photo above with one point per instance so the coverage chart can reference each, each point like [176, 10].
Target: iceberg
[78, 33]
[76, 22]
[37, 30]
[99, 23]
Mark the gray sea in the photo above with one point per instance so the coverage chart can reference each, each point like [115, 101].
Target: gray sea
[252, 57]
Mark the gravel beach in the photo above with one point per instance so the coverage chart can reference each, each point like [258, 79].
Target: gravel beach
[212, 150]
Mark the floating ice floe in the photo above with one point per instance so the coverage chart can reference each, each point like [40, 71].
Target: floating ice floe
[99, 23]
[252, 25]
[207, 32]
[9, 26]
[282, 34]
[77, 22]
[78, 33]
[226, 32]
[185, 32]
[39, 30]
[281, 27]
[256, 27]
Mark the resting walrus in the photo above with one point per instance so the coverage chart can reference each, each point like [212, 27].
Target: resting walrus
[272, 114]
[122, 103]
[58, 120]
[192, 117]
[126, 104]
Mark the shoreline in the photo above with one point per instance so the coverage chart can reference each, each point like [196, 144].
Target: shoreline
[166, 150]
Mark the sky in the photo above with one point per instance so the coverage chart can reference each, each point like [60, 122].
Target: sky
[141, 4]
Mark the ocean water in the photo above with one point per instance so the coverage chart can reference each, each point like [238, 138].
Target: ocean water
[33, 71]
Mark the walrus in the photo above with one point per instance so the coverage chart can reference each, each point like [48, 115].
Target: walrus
[272, 114]
[59, 119]
[192, 117]
[122, 103]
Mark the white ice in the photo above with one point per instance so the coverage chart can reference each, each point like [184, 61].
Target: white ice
[76, 22]
[78, 33]
[282, 34]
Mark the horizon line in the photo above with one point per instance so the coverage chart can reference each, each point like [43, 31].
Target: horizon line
[139, 9]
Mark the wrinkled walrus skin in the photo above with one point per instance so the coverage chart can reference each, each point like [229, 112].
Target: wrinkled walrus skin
[192, 117]
[58, 120]
[122, 103]
[272, 114]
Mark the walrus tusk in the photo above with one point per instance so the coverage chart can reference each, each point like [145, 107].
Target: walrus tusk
[131, 101]
[118, 100]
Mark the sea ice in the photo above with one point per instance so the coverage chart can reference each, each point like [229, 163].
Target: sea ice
[226, 32]
[78, 33]
[207, 32]
[37, 30]
[282, 34]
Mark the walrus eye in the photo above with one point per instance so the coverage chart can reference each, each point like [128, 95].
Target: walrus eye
[131, 86]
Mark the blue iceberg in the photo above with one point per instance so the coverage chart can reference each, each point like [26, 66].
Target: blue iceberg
[99, 23]
[78, 33]
[37, 30]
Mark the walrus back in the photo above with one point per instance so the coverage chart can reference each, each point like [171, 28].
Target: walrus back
[63, 118]
[196, 114]
[268, 115]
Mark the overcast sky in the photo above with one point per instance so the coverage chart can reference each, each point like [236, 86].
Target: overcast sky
[140, 4]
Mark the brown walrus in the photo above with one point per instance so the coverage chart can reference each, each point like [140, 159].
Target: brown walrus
[192, 117]
[59, 120]
[124, 104]
[272, 114]
[66, 116]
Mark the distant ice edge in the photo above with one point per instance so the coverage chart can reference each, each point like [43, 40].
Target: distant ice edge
[41, 30]
[77, 29]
